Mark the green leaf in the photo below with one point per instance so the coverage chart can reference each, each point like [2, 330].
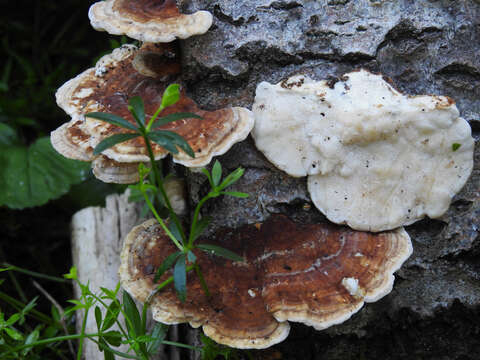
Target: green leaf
[113, 140]
[111, 315]
[232, 178]
[200, 227]
[14, 334]
[216, 173]
[456, 146]
[175, 231]
[170, 140]
[162, 140]
[6, 269]
[133, 321]
[174, 139]
[110, 294]
[180, 278]
[191, 256]
[13, 319]
[98, 317]
[33, 175]
[174, 117]
[159, 333]
[137, 109]
[167, 264]
[113, 337]
[31, 338]
[219, 251]
[72, 274]
[209, 177]
[171, 95]
[112, 119]
[108, 355]
[27, 308]
[235, 194]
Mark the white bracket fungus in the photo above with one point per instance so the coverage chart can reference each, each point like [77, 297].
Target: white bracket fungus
[376, 159]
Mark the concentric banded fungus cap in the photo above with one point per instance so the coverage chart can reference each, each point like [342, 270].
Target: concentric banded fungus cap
[148, 20]
[107, 88]
[376, 159]
[316, 274]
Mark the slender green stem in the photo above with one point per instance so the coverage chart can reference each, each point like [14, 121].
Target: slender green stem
[161, 222]
[119, 353]
[144, 317]
[195, 219]
[82, 333]
[173, 343]
[48, 341]
[35, 274]
[116, 320]
[170, 279]
[19, 306]
[202, 280]
[159, 181]
[154, 117]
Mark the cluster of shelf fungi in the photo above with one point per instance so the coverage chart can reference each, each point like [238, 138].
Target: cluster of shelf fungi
[376, 160]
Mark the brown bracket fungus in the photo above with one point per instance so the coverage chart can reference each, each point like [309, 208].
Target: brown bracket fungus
[157, 60]
[317, 274]
[148, 20]
[376, 159]
[107, 88]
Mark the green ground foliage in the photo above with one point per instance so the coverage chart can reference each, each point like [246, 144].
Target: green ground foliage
[45, 43]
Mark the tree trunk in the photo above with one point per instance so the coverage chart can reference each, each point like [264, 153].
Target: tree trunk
[426, 47]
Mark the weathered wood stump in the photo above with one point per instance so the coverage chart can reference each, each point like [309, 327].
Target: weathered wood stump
[97, 240]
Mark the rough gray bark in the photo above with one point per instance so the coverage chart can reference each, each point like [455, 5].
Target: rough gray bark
[426, 47]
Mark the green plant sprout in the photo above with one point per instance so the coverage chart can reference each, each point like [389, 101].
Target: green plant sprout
[18, 343]
[29, 334]
[184, 260]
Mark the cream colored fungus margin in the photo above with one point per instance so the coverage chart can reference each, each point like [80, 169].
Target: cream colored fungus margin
[104, 18]
[168, 311]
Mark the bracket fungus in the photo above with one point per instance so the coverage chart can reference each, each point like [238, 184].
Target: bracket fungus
[376, 159]
[317, 274]
[148, 20]
[107, 88]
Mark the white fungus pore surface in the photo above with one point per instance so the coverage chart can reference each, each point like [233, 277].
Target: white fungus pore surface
[376, 159]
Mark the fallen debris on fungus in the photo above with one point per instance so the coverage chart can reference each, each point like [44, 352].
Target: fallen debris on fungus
[148, 20]
[107, 88]
[317, 274]
[376, 159]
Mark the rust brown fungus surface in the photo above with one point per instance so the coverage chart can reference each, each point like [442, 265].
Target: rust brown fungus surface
[155, 21]
[146, 10]
[318, 274]
[108, 88]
